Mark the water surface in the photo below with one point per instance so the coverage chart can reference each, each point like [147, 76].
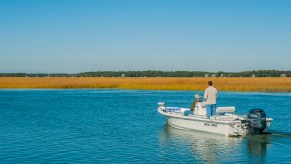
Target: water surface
[123, 126]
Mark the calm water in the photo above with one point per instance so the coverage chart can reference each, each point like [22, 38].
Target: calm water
[123, 126]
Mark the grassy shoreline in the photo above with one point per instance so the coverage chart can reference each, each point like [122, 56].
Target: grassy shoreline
[149, 83]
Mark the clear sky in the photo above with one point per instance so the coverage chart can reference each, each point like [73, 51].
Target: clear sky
[71, 36]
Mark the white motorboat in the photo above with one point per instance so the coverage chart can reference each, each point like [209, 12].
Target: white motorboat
[225, 122]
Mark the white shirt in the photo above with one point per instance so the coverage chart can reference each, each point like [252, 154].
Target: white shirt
[210, 95]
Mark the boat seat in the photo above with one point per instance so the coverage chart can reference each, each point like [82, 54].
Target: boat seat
[222, 110]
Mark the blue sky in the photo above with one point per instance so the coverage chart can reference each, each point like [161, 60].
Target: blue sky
[71, 36]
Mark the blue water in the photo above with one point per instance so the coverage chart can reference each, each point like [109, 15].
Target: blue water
[123, 126]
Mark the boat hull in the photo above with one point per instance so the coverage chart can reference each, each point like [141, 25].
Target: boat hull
[226, 129]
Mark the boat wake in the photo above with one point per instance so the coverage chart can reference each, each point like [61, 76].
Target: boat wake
[280, 134]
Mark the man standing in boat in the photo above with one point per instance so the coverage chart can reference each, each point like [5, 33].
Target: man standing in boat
[210, 96]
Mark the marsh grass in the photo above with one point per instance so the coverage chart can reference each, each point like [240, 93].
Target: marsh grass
[222, 84]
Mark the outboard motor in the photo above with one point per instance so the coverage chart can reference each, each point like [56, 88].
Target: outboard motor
[256, 121]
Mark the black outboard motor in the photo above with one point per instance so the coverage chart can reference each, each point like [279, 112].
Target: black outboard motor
[257, 121]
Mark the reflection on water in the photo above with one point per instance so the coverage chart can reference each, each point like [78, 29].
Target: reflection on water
[212, 148]
[257, 147]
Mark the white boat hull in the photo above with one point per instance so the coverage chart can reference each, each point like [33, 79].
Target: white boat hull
[204, 126]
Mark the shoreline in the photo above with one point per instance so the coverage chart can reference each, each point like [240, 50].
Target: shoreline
[258, 84]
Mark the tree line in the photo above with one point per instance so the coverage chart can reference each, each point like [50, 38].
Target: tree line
[151, 73]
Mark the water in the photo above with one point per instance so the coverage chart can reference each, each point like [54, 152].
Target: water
[123, 126]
